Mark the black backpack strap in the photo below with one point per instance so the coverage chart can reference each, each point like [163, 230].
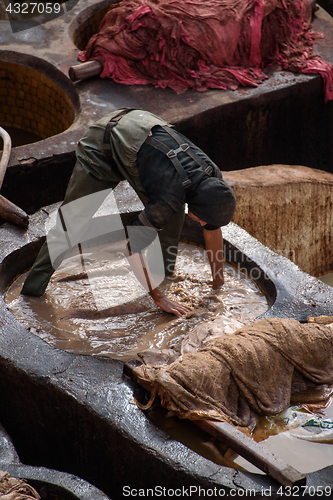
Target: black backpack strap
[207, 168]
[112, 122]
[172, 155]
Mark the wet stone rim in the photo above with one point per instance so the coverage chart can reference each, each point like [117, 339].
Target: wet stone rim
[75, 412]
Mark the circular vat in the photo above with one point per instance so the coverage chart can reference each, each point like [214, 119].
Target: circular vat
[87, 22]
[92, 316]
[94, 304]
[37, 101]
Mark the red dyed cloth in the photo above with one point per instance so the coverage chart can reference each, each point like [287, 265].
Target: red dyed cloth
[201, 44]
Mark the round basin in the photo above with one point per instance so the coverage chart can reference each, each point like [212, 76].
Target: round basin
[86, 23]
[36, 100]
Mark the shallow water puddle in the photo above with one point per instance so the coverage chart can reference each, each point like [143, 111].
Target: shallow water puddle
[306, 445]
[285, 435]
[95, 305]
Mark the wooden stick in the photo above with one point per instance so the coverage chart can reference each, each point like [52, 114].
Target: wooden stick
[85, 70]
[235, 439]
[12, 213]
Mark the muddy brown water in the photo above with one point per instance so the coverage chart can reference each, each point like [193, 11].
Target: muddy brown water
[98, 307]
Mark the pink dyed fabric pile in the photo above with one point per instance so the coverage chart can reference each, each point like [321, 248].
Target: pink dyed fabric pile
[198, 44]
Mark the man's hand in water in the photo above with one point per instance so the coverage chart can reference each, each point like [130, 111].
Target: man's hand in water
[169, 306]
[140, 268]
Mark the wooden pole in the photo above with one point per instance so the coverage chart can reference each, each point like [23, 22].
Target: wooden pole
[235, 439]
[12, 213]
[85, 70]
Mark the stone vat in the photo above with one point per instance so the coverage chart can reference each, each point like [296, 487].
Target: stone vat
[75, 413]
[284, 120]
[37, 100]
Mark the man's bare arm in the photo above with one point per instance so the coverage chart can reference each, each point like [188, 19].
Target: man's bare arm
[214, 248]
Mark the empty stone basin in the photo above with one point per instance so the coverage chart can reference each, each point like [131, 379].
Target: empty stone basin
[86, 23]
[36, 100]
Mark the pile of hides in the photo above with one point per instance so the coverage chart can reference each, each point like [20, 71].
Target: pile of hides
[16, 489]
[195, 44]
[235, 377]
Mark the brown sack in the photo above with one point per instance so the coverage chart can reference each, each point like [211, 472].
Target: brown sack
[16, 489]
[253, 371]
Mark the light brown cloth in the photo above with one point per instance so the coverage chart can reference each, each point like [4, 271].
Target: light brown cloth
[252, 371]
[16, 489]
